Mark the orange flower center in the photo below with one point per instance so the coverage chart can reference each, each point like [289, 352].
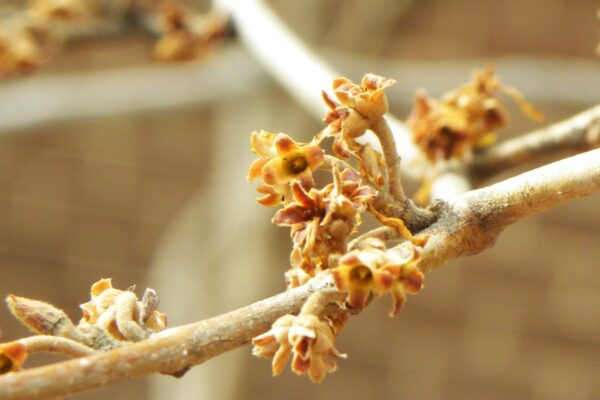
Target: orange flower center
[295, 164]
[361, 274]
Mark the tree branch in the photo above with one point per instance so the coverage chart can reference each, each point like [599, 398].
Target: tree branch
[171, 351]
[472, 222]
[467, 225]
[573, 135]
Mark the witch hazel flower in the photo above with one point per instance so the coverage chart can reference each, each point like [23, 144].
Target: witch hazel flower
[373, 271]
[307, 339]
[281, 161]
[368, 98]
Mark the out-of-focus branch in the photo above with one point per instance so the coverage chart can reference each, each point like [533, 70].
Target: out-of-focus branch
[44, 99]
[573, 135]
[467, 225]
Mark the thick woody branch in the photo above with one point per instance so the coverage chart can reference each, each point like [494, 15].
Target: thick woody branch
[472, 222]
[467, 225]
[171, 351]
[571, 136]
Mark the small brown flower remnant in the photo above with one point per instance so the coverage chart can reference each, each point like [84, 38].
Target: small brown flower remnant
[282, 160]
[12, 356]
[308, 339]
[373, 271]
[368, 98]
[187, 36]
[465, 118]
[361, 105]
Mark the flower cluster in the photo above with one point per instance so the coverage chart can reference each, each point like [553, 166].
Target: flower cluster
[465, 118]
[186, 36]
[307, 339]
[374, 271]
[323, 219]
[321, 222]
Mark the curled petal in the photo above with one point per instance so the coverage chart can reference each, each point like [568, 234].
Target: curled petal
[303, 197]
[291, 214]
[100, 286]
[281, 358]
[373, 82]
[270, 200]
[285, 144]
[318, 368]
[413, 281]
[300, 365]
[255, 169]
[398, 300]
[358, 298]
[263, 143]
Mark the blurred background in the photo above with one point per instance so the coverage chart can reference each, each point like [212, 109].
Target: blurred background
[114, 166]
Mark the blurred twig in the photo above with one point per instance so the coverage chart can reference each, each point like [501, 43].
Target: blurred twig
[573, 135]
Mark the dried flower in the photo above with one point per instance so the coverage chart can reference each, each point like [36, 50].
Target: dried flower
[344, 123]
[120, 314]
[368, 99]
[373, 271]
[308, 339]
[465, 118]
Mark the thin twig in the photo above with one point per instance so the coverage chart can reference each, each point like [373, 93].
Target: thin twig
[55, 344]
[573, 135]
[392, 159]
[467, 225]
